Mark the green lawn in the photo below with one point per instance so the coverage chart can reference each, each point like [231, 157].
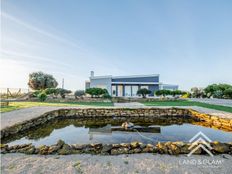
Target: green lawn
[19, 105]
[188, 103]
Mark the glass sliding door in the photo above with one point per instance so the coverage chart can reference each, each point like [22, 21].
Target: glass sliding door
[128, 91]
[134, 90]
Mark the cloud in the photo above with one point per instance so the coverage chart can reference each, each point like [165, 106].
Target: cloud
[40, 31]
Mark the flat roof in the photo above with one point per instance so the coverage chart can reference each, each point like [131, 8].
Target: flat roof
[128, 76]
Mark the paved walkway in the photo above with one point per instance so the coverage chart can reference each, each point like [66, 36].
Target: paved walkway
[130, 164]
[129, 105]
[17, 116]
[215, 101]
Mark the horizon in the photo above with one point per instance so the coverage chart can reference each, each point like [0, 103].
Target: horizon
[187, 42]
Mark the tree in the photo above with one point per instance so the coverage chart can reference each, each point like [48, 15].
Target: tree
[143, 92]
[79, 93]
[197, 92]
[40, 80]
[96, 92]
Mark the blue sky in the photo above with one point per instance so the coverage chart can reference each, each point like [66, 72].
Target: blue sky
[188, 43]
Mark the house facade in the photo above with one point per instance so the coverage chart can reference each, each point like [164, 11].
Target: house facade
[127, 86]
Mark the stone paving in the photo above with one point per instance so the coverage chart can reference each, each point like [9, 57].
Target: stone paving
[130, 164]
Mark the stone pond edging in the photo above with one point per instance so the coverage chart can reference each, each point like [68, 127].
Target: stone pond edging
[60, 148]
[212, 121]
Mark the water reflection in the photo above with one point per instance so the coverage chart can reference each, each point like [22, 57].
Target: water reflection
[109, 130]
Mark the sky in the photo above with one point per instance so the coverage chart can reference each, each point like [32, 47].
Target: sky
[189, 43]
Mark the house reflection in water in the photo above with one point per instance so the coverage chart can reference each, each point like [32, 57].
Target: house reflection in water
[108, 129]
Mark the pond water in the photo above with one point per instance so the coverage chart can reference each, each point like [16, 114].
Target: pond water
[106, 131]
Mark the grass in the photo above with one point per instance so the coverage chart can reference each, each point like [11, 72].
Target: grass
[188, 103]
[19, 105]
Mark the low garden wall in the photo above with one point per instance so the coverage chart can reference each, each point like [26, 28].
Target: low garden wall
[150, 113]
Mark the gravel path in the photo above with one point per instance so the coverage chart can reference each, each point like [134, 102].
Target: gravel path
[136, 163]
[224, 102]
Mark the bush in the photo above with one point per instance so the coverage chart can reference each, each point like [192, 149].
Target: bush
[36, 93]
[197, 92]
[106, 96]
[228, 93]
[176, 92]
[96, 92]
[79, 93]
[143, 92]
[217, 90]
[186, 95]
[163, 92]
[63, 92]
[41, 81]
[49, 91]
[42, 96]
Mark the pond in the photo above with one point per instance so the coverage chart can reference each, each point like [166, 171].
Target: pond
[109, 130]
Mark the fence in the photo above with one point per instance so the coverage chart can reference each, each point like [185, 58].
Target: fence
[13, 93]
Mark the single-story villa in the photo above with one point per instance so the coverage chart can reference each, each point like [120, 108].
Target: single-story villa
[127, 86]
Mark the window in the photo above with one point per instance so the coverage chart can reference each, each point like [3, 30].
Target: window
[146, 87]
[120, 90]
[113, 91]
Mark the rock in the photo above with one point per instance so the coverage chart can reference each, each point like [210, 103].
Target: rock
[3, 146]
[134, 144]
[66, 149]
[122, 150]
[106, 148]
[125, 145]
[43, 150]
[137, 150]
[30, 150]
[96, 146]
[221, 147]
[184, 149]
[60, 143]
[53, 149]
[174, 149]
[161, 148]
[179, 144]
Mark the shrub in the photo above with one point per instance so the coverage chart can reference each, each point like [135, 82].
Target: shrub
[228, 93]
[107, 96]
[217, 90]
[163, 92]
[42, 96]
[49, 91]
[143, 92]
[197, 92]
[63, 92]
[40, 80]
[186, 95]
[36, 93]
[96, 92]
[79, 93]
